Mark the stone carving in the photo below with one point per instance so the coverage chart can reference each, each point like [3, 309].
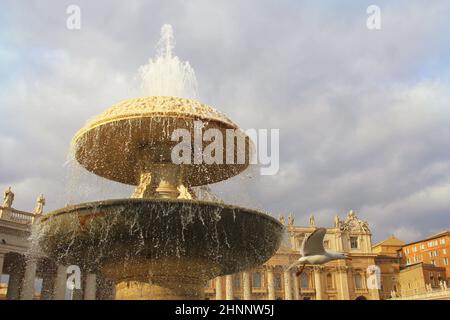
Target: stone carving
[352, 223]
[8, 198]
[312, 221]
[40, 203]
[342, 269]
[337, 222]
[291, 220]
[318, 268]
[281, 219]
[393, 294]
[146, 106]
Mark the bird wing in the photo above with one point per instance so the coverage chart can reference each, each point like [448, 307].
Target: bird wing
[292, 265]
[313, 244]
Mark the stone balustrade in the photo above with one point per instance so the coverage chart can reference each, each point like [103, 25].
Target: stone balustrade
[17, 216]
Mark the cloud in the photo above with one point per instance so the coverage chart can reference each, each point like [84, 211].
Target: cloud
[363, 115]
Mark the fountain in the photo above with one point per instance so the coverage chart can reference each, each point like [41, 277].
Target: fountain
[164, 242]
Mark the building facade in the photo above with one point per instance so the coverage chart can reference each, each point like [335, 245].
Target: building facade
[434, 250]
[400, 275]
[340, 279]
[35, 277]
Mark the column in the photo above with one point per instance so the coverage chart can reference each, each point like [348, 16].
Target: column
[14, 284]
[270, 283]
[113, 291]
[229, 286]
[27, 292]
[318, 282]
[59, 290]
[373, 291]
[48, 284]
[219, 289]
[287, 285]
[343, 292]
[78, 294]
[247, 287]
[90, 287]
[296, 287]
[2, 260]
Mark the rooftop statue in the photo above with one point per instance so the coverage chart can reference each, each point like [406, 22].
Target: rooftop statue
[8, 198]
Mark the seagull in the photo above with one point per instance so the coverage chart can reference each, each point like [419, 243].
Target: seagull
[313, 252]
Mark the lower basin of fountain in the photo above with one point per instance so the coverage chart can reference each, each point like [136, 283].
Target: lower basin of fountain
[157, 240]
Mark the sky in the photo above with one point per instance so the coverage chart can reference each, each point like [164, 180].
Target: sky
[363, 114]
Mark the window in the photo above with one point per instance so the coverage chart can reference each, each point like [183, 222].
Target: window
[435, 242]
[422, 246]
[432, 262]
[414, 249]
[436, 253]
[445, 261]
[358, 281]
[237, 281]
[444, 251]
[354, 242]
[330, 284]
[407, 261]
[304, 281]
[431, 254]
[256, 279]
[277, 281]
[442, 241]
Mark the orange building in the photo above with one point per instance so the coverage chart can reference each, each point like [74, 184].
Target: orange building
[433, 250]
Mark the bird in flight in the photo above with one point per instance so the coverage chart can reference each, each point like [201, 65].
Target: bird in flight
[314, 253]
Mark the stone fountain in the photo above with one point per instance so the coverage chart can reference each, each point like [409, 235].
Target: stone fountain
[163, 242]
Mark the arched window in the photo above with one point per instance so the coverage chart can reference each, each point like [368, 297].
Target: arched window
[358, 281]
[256, 280]
[304, 280]
[237, 281]
[330, 284]
[277, 281]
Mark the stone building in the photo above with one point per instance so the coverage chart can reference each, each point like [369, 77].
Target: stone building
[341, 279]
[35, 277]
[389, 262]
[433, 250]
[420, 278]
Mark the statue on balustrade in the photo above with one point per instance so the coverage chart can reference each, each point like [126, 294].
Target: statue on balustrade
[312, 221]
[291, 220]
[40, 203]
[8, 198]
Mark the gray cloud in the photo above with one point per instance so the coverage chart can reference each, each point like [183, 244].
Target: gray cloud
[363, 115]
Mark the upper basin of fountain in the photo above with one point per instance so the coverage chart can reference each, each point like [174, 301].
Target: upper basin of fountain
[136, 132]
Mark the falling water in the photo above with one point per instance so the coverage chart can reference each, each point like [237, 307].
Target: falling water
[114, 233]
[166, 74]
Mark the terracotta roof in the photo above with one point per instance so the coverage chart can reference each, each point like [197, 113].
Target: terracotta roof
[434, 236]
[391, 241]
